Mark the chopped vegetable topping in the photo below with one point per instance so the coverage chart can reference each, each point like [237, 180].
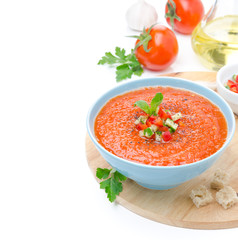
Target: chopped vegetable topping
[232, 85]
[159, 122]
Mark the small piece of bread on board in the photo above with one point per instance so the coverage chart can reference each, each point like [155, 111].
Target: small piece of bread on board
[201, 196]
[220, 179]
[227, 197]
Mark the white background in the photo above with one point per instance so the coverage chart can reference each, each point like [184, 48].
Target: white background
[49, 78]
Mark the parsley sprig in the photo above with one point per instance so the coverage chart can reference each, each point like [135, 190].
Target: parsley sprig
[155, 102]
[112, 183]
[127, 65]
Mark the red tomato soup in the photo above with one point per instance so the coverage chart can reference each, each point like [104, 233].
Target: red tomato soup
[203, 128]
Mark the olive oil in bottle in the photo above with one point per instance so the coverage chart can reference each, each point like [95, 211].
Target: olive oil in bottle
[216, 43]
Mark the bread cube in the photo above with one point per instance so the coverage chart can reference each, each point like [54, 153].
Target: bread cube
[201, 196]
[220, 179]
[227, 197]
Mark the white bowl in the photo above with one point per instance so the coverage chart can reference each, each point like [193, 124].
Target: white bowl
[224, 74]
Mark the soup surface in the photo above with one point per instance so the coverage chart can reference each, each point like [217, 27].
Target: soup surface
[202, 132]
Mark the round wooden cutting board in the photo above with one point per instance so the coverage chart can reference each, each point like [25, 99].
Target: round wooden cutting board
[173, 206]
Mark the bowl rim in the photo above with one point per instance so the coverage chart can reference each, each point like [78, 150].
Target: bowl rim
[141, 165]
[219, 78]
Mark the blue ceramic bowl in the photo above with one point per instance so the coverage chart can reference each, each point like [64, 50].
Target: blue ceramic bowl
[160, 177]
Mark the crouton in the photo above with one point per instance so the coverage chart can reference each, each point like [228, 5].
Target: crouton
[201, 196]
[219, 180]
[227, 197]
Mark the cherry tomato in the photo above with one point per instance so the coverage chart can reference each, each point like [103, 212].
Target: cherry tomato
[190, 13]
[162, 49]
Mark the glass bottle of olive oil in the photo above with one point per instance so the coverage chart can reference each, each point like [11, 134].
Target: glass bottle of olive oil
[215, 39]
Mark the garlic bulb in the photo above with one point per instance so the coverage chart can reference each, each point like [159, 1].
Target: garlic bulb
[140, 15]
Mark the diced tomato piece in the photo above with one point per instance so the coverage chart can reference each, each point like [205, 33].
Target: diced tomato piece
[230, 83]
[166, 136]
[158, 122]
[236, 79]
[234, 89]
[169, 115]
[163, 128]
[141, 126]
[233, 85]
[151, 119]
[154, 120]
[162, 114]
[148, 123]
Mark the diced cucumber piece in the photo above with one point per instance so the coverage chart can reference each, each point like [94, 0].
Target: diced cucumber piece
[170, 123]
[171, 130]
[148, 132]
[141, 119]
[177, 116]
[153, 128]
[158, 136]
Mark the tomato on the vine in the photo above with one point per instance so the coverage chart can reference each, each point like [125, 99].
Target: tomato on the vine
[184, 15]
[156, 48]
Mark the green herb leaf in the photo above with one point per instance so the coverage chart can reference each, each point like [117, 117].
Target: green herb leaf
[102, 173]
[143, 105]
[123, 72]
[156, 101]
[108, 58]
[120, 53]
[112, 188]
[112, 184]
[118, 176]
[126, 65]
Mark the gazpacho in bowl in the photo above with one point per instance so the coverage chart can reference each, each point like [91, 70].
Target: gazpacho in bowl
[161, 131]
[127, 131]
